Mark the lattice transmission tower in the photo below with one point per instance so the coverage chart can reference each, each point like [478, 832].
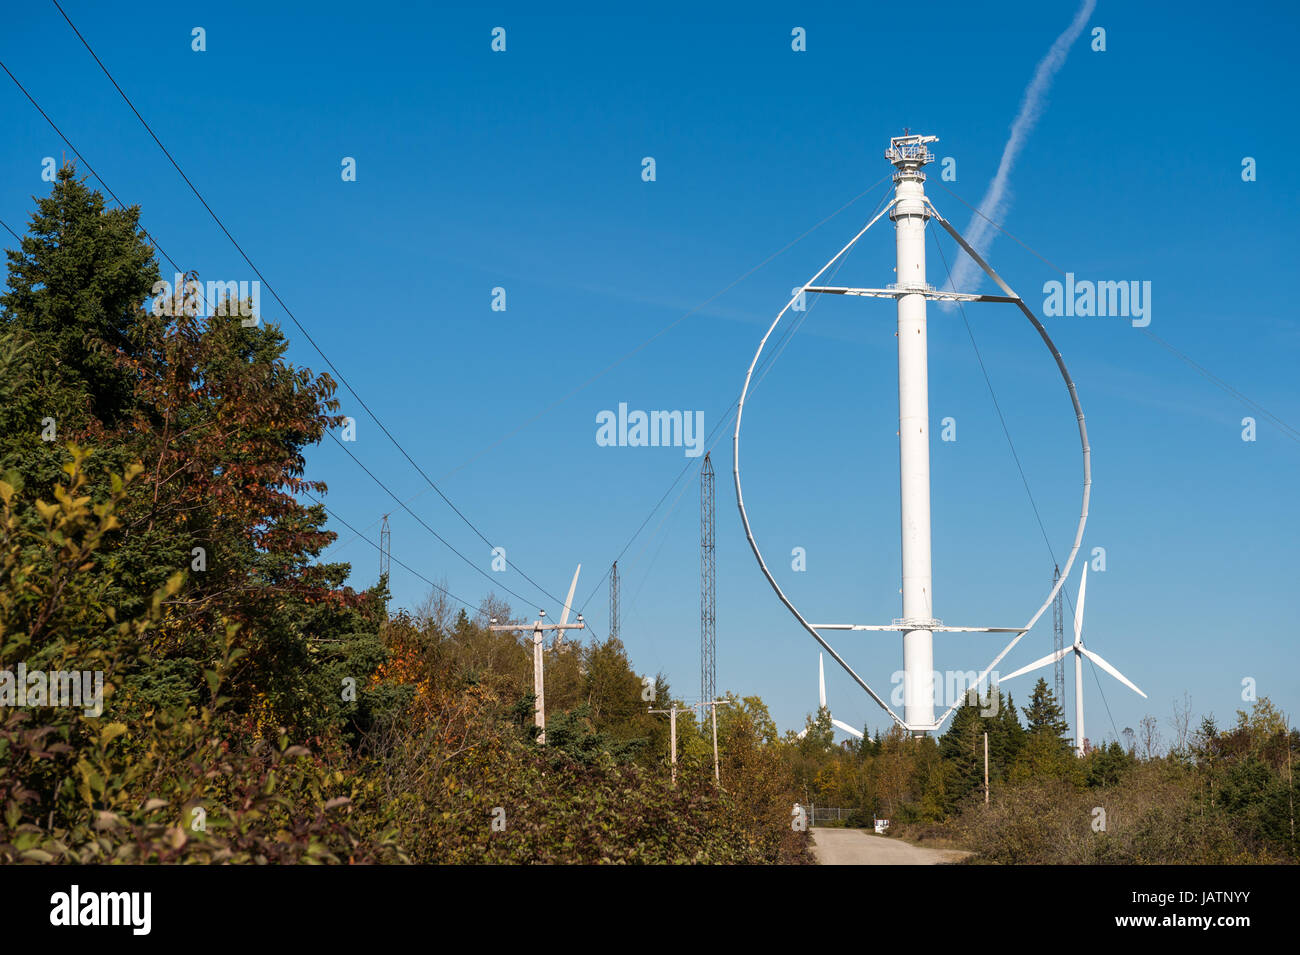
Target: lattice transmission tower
[1058, 638]
[708, 581]
[613, 600]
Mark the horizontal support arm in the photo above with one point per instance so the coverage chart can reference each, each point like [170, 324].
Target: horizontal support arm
[937, 295]
[535, 626]
[896, 628]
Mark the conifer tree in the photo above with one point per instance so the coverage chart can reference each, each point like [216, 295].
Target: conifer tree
[76, 285]
[1047, 751]
[1044, 714]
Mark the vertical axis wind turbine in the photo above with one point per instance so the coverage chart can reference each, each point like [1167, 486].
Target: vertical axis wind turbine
[910, 209]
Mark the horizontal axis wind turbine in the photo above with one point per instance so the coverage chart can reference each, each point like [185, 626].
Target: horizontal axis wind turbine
[1079, 651]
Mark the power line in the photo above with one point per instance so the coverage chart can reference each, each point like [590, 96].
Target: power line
[76, 152]
[343, 380]
[768, 363]
[996, 405]
[387, 490]
[176, 267]
[669, 327]
[441, 589]
[663, 331]
[385, 556]
[107, 188]
[325, 358]
[385, 553]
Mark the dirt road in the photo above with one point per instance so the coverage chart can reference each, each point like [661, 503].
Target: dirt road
[856, 847]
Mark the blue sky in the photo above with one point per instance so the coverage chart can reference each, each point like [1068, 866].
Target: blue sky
[522, 170]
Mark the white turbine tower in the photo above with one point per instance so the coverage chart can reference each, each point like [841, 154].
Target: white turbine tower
[911, 210]
[821, 687]
[1079, 651]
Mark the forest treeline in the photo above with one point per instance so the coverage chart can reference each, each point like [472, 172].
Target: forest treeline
[158, 527]
[1211, 796]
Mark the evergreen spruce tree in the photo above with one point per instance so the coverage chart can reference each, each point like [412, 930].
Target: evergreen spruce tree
[76, 284]
[1047, 750]
[1010, 738]
[219, 421]
[962, 749]
[1044, 714]
[74, 288]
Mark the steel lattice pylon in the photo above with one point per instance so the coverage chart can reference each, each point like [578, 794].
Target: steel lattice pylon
[708, 581]
[613, 601]
[1058, 638]
[385, 547]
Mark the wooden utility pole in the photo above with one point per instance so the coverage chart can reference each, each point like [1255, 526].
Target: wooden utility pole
[540, 626]
[672, 712]
[986, 768]
[1290, 784]
[713, 715]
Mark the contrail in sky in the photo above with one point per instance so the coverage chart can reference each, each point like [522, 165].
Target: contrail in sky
[996, 200]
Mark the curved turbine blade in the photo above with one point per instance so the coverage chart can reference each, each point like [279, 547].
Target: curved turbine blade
[1078, 610]
[1112, 671]
[847, 728]
[821, 679]
[1050, 658]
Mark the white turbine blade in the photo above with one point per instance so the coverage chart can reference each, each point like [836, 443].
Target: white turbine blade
[568, 601]
[847, 728]
[821, 678]
[1078, 611]
[1112, 671]
[1049, 659]
[802, 733]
